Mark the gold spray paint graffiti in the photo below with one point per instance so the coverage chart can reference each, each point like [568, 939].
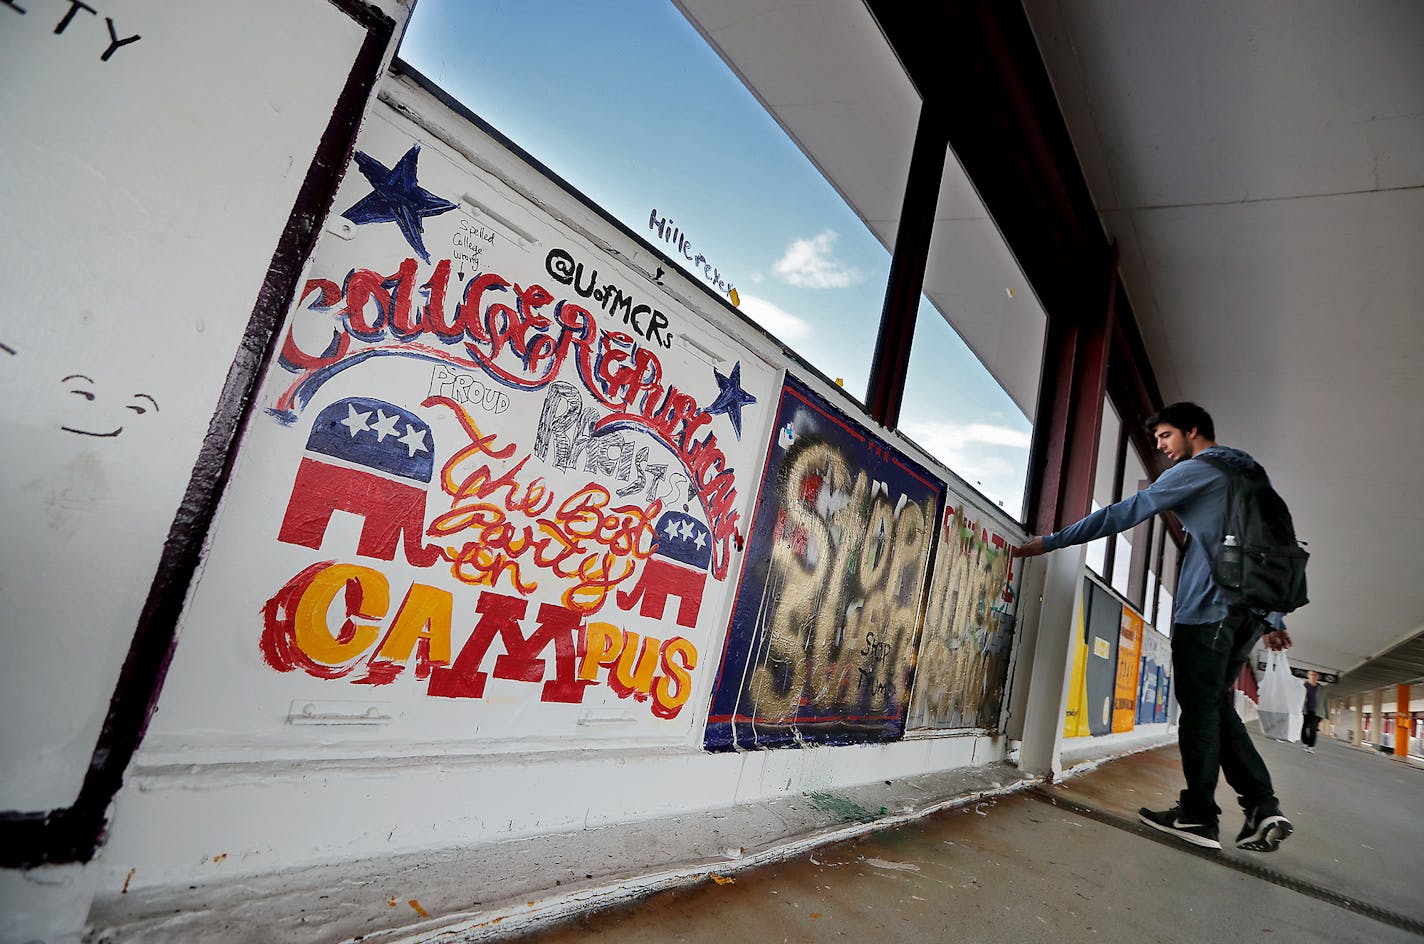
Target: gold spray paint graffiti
[822, 638]
[969, 622]
[847, 568]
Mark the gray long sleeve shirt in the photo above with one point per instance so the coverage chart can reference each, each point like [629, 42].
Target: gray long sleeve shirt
[1196, 491]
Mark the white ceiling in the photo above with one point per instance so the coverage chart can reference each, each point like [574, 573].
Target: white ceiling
[1261, 167]
[826, 73]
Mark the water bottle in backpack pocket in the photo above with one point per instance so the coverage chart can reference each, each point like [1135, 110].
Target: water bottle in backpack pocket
[1260, 564]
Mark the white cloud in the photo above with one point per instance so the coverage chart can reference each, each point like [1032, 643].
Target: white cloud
[994, 459]
[808, 263]
[778, 321]
[995, 435]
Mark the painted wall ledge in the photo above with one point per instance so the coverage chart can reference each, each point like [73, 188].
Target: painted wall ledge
[1077, 752]
[496, 889]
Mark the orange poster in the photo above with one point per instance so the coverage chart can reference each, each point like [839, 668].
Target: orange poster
[1129, 651]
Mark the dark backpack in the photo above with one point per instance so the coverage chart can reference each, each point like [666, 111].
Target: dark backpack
[1260, 564]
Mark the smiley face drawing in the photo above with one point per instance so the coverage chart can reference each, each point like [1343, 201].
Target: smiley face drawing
[85, 407]
[89, 415]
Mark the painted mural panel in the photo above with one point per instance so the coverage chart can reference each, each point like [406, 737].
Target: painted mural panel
[963, 664]
[497, 485]
[1164, 676]
[823, 635]
[1154, 655]
[1075, 713]
[1104, 625]
[1129, 647]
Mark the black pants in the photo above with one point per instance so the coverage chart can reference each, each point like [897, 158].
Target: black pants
[1206, 659]
[1308, 730]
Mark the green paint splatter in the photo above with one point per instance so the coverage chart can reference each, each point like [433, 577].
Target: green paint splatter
[846, 810]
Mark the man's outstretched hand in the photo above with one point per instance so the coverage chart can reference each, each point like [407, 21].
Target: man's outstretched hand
[1277, 640]
[1033, 548]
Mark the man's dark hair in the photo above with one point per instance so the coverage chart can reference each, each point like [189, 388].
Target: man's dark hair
[1186, 417]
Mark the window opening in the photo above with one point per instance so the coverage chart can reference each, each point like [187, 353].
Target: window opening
[972, 382]
[1105, 485]
[631, 106]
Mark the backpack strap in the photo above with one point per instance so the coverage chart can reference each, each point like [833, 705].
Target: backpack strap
[1216, 462]
[1229, 470]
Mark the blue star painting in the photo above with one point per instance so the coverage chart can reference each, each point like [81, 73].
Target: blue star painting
[396, 197]
[731, 397]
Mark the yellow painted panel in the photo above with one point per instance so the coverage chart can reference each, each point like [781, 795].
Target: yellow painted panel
[1075, 718]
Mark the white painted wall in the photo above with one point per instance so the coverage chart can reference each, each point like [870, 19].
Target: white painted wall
[143, 198]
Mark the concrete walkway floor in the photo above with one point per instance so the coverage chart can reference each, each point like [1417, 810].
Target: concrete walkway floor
[1069, 863]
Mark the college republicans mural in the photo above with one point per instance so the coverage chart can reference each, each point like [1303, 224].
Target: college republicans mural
[500, 477]
[969, 627]
[822, 641]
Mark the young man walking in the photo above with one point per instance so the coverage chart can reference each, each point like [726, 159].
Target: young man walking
[1210, 638]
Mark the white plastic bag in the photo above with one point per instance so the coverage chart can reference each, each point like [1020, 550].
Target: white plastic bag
[1281, 709]
[1245, 707]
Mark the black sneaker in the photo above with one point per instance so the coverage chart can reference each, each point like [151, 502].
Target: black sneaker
[1195, 831]
[1264, 829]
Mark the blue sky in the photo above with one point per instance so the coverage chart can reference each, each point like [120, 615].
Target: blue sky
[625, 101]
